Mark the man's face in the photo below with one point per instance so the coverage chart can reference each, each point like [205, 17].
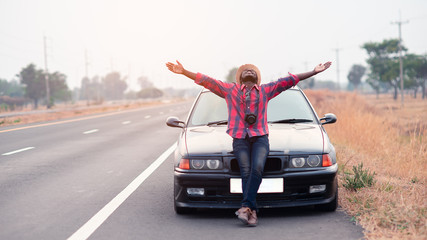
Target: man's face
[249, 75]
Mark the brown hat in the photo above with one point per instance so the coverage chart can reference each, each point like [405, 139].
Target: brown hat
[246, 67]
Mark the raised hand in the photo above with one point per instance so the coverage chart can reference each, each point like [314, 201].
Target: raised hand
[175, 68]
[322, 67]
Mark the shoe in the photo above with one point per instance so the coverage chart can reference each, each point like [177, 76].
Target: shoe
[253, 219]
[243, 214]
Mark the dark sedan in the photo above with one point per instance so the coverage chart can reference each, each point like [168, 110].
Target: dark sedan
[301, 168]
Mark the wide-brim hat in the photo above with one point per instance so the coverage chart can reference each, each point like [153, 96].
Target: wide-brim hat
[247, 67]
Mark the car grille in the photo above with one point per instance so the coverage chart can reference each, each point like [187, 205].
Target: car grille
[272, 165]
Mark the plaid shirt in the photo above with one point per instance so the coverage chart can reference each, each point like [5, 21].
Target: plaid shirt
[241, 101]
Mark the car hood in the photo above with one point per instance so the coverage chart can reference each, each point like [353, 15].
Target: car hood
[284, 139]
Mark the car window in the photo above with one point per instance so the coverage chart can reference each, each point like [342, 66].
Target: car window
[209, 108]
[287, 105]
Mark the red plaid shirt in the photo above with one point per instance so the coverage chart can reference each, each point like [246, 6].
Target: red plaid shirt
[241, 101]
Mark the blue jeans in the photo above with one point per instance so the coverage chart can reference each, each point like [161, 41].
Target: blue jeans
[251, 153]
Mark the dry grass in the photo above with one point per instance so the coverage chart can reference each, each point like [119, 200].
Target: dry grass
[390, 141]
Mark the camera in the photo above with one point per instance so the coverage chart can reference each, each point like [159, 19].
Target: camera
[250, 118]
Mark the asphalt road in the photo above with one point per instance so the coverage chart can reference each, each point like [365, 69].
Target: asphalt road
[110, 176]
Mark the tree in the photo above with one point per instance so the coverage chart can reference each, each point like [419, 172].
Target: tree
[231, 77]
[58, 87]
[11, 89]
[144, 82]
[114, 86]
[307, 83]
[34, 81]
[150, 93]
[415, 67]
[355, 75]
[384, 62]
[91, 90]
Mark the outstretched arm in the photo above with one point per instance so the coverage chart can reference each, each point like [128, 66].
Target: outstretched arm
[179, 69]
[319, 68]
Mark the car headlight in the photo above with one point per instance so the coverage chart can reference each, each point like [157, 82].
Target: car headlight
[306, 161]
[313, 161]
[197, 164]
[201, 164]
[298, 162]
[213, 164]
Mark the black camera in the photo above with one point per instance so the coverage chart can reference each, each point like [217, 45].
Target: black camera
[250, 118]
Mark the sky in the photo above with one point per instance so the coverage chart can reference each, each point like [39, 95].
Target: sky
[137, 38]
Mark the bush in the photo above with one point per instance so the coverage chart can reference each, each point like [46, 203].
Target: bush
[361, 178]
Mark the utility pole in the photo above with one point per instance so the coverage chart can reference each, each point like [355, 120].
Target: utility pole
[337, 50]
[399, 23]
[46, 74]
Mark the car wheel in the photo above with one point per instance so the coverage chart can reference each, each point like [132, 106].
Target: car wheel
[329, 207]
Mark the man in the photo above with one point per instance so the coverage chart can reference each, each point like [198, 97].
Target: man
[247, 122]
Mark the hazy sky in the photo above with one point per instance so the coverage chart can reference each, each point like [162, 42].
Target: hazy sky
[138, 37]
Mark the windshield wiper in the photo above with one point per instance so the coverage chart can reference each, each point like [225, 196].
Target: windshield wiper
[293, 120]
[221, 122]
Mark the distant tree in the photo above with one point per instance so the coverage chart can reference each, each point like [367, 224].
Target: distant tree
[114, 86]
[11, 89]
[84, 89]
[34, 81]
[331, 85]
[355, 75]
[231, 77]
[144, 82]
[383, 62]
[58, 87]
[307, 83]
[415, 68]
[150, 93]
[91, 90]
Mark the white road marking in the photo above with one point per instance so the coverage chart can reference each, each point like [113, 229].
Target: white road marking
[90, 226]
[91, 131]
[160, 113]
[126, 122]
[17, 151]
[148, 116]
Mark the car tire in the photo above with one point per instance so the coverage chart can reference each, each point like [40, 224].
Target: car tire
[329, 207]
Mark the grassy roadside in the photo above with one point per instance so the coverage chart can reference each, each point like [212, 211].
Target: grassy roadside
[392, 143]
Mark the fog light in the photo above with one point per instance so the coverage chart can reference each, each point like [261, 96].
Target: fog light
[212, 164]
[196, 191]
[317, 188]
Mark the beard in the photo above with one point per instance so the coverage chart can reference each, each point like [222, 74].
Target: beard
[250, 79]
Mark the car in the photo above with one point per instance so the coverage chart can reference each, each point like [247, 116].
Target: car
[300, 170]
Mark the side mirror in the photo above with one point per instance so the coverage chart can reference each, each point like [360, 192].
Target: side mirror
[175, 122]
[328, 118]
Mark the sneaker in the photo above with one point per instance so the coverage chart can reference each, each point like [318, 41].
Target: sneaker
[243, 214]
[253, 219]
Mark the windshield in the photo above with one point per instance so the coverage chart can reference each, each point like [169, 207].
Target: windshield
[290, 104]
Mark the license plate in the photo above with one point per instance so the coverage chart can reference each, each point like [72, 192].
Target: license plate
[268, 185]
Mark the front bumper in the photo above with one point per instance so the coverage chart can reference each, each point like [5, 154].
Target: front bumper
[217, 189]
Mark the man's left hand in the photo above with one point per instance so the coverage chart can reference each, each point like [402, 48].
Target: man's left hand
[322, 67]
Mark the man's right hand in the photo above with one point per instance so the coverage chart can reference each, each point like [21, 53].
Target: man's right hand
[175, 68]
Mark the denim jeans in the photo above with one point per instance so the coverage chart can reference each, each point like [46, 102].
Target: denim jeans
[251, 153]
